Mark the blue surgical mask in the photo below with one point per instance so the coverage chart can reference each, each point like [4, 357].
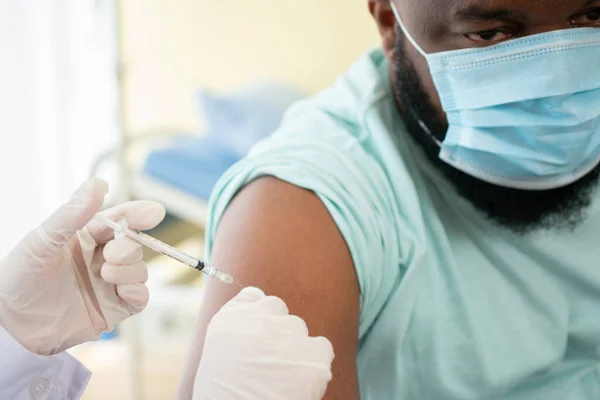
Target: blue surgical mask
[523, 114]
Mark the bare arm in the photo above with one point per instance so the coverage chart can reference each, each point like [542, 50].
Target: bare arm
[283, 240]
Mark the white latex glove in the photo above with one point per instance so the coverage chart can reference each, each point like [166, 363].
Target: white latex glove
[255, 350]
[68, 281]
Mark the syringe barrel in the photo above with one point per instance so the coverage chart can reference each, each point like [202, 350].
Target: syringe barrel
[161, 247]
[149, 241]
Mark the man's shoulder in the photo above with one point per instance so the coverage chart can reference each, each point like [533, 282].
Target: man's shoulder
[328, 144]
[347, 99]
[333, 122]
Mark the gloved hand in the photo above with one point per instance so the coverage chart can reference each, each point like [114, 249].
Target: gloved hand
[255, 350]
[68, 281]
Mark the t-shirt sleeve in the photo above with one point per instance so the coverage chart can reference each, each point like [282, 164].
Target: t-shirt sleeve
[321, 155]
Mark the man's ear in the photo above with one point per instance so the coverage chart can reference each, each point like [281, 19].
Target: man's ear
[386, 23]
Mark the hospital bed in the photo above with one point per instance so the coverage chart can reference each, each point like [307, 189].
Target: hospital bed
[182, 173]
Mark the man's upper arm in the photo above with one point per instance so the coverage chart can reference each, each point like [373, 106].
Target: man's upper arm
[282, 239]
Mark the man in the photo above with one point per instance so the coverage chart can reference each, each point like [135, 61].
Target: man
[435, 212]
[69, 280]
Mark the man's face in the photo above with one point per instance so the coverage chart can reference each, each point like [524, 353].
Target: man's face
[442, 25]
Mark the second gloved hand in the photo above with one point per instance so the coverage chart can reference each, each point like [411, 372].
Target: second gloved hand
[255, 350]
[69, 280]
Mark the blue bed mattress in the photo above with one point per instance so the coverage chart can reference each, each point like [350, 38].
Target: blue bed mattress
[192, 165]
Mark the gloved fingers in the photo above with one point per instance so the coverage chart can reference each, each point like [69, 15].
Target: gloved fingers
[247, 304]
[76, 213]
[289, 325]
[320, 350]
[124, 274]
[140, 215]
[135, 295]
[256, 313]
[273, 305]
[266, 306]
[248, 295]
[122, 252]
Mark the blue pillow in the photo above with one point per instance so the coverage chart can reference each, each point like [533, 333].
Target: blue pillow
[241, 119]
[192, 165]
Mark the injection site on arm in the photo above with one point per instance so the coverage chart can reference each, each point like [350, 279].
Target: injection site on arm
[287, 244]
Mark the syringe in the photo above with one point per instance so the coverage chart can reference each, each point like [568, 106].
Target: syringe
[163, 248]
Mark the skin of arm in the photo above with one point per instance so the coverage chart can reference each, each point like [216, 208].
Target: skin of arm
[282, 239]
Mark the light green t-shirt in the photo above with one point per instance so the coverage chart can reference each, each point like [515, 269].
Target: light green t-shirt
[452, 306]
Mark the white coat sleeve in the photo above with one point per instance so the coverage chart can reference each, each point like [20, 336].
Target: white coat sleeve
[27, 376]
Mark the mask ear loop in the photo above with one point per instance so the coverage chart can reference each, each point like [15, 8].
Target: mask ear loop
[428, 132]
[406, 33]
[422, 52]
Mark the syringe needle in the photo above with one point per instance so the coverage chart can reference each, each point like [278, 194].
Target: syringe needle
[214, 272]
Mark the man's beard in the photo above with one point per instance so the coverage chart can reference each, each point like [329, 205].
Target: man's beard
[519, 210]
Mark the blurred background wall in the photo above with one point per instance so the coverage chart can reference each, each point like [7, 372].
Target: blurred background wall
[170, 48]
